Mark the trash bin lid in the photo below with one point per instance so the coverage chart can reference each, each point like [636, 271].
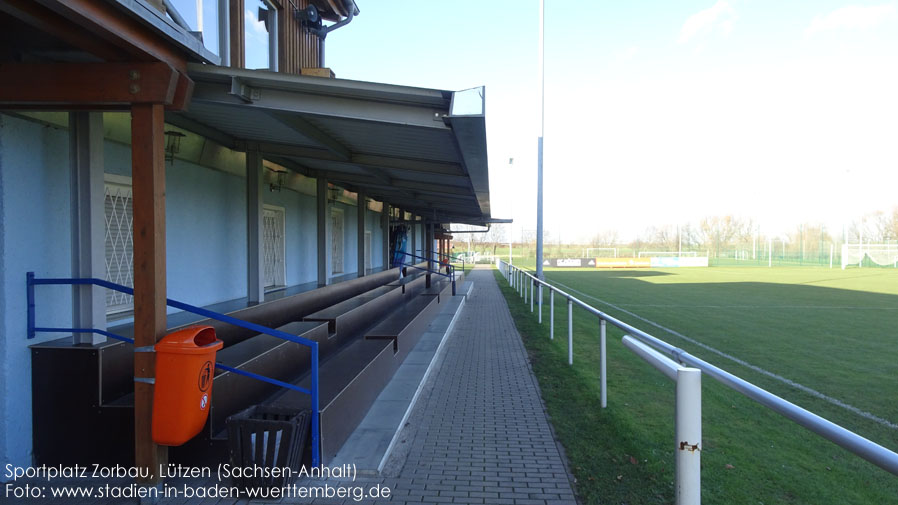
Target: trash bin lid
[191, 340]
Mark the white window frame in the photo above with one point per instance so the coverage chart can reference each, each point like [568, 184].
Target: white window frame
[280, 280]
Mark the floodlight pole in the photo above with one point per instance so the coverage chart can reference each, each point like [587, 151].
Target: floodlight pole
[542, 128]
[510, 225]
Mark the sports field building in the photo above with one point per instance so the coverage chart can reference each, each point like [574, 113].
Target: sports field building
[140, 162]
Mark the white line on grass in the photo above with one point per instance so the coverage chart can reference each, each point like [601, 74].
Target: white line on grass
[810, 307]
[801, 387]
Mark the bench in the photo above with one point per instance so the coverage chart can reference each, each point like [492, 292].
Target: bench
[409, 282]
[279, 312]
[347, 318]
[265, 355]
[348, 383]
[404, 327]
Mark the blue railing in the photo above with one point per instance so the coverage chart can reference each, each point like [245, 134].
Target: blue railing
[450, 274]
[32, 281]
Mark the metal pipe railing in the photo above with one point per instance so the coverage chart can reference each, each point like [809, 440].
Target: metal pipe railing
[31, 281]
[449, 267]
[688, 425]
[860, 446]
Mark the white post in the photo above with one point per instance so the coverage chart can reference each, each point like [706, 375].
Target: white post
[224, 32]
[199, 15]
[602, 358]
[540, 304]
[531, 296]
[570, 332]
[831, 247]
[551, 314]
[769, 252]
[689, 436]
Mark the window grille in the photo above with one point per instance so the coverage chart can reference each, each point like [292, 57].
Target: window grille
[273, 246]
[336, 241]
[119, 244]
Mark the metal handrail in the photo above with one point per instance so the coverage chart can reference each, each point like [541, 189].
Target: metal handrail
[450, 275]
[860, 446]
[32, 281]
[688, 440]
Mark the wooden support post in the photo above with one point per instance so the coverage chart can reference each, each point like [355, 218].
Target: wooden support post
[360, 246]
[148, 180]
[237, 34]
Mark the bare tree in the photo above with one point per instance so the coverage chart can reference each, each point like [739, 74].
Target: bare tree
[604, 238]
[721, 231]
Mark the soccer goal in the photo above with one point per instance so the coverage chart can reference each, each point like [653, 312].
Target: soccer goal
[882, 254]
[612, 250]
[657, 254]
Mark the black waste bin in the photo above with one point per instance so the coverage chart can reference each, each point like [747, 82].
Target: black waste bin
[266, 436]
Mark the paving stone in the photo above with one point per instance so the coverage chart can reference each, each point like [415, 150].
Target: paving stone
[480, 433]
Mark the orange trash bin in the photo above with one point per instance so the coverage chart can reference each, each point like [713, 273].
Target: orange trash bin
[185, 366]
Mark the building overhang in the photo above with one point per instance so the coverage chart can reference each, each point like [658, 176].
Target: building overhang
[423, 150]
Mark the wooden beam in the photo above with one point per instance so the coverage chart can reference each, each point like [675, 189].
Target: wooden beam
[148, 182]
[106, 21]
[238, 34]
[183, 93]
[100, 84]
[47, 21]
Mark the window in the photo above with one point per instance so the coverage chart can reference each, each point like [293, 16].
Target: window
[336, 241]
[119, 242]
[260, 20]
[273, 246]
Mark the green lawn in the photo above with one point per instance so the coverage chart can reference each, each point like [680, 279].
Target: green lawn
[833, 331]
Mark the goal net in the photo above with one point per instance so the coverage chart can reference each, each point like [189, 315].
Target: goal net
[650, 254]
[603, 252]
[881, 254]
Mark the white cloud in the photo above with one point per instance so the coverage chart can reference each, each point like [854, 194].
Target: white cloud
[628, 53]
[719, 17]
[257, 26]
[851, 17]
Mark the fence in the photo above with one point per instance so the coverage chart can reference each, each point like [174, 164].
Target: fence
[525, 284]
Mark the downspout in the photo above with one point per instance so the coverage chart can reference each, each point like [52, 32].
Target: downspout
[322, 33]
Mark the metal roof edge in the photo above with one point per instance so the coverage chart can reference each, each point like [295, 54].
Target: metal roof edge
[157, 20]
[323, 85]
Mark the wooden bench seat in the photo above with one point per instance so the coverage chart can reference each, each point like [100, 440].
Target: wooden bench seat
[405, 326]
[348, 383]
[275, 313]
[348, 318]
[265, 355]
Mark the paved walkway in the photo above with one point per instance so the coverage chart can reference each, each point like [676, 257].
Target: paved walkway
[481, 435]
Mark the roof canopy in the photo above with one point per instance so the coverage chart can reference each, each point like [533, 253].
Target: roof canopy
[422, 150]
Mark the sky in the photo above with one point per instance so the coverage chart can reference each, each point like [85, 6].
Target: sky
[658, 112]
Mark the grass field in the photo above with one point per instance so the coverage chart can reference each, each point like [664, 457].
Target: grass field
[833, 332]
